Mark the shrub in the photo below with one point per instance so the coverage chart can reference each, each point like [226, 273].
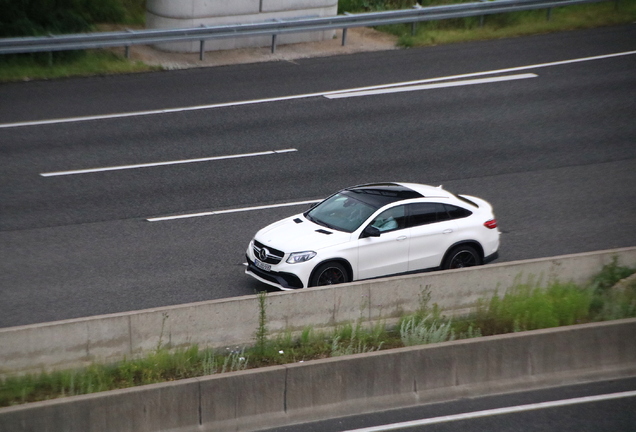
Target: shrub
[40, 17]
[417, 331]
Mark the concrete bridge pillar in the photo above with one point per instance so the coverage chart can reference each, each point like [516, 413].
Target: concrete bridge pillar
[166, 14]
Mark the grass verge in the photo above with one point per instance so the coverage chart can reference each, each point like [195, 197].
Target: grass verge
[97, 62]
[523, 307]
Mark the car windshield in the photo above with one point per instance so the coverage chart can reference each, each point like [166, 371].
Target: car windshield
[342, 212]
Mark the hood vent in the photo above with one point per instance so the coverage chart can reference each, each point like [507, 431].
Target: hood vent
[322, 231]
[298, 220]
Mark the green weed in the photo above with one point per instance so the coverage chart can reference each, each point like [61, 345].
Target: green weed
[261, 331]
[527, 307]
[417, 331]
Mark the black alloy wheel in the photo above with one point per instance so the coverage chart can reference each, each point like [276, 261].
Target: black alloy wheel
[330, 273]
[462, 256]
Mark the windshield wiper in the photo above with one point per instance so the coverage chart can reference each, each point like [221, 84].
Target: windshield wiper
[321, 223]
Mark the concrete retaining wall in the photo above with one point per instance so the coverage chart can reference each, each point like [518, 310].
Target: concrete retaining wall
[220, 323]
[166, 14]
[280, 395]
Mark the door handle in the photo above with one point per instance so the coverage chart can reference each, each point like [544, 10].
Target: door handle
[401, 238]
[447, 231]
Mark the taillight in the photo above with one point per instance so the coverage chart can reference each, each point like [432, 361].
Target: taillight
[491, 224]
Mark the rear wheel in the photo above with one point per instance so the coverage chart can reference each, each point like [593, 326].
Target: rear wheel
[329, 273]
[462, 256]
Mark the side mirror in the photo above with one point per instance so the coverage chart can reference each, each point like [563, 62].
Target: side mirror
[370, 231]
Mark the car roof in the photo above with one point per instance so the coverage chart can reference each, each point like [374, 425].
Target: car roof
[381, 194]
[428, 191]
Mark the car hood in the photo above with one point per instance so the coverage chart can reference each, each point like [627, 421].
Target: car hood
[289, 235]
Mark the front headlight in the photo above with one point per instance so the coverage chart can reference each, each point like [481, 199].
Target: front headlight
[300, 257]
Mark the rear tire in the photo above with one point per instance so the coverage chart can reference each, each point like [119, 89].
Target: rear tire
[461, 257]
[329, 273]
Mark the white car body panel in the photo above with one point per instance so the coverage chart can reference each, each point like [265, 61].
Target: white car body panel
[387, 254]
[289, 235]
[429, 243]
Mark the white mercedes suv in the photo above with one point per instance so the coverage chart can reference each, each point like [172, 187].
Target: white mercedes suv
[374, 230]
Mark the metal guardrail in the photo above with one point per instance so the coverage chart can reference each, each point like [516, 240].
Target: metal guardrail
[147, 37]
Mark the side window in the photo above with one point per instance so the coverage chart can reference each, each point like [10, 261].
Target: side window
[390, 219]
[457, 212]
[427, 213]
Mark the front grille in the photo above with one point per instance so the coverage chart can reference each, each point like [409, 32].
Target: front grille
[273, 256]
[286, 280]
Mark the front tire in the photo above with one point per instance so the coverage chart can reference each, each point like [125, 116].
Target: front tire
[461, 257]
[329, 273]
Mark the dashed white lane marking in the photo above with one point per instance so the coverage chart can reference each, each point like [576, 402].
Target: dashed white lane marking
[155, 164]
[431, 86]
[309, 95]
[497, 411]
[237, 210]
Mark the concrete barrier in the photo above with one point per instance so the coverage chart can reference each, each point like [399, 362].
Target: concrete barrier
[282, 395]
[166, 14]
[220, 323]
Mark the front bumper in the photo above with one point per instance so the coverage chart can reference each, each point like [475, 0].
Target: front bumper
[281, 280]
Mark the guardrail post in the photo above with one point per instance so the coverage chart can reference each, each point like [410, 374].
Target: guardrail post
[127, 48]
[276, 20]
[50, 56]
[414, 23]
[549, 14]
[344, 31]
[482, 17]
[202, 46]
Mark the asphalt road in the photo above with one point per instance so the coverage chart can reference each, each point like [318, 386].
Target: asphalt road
[554, 152]
[574, 408]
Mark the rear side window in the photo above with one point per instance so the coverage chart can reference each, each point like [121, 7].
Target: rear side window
[457, 212]
[427, 213]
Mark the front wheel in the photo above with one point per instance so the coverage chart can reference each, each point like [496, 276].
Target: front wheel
[329, 273]
[460, 257]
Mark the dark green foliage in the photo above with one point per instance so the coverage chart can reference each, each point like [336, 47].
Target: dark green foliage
[610, 275]
[612, 301]
[23, 18]
[357, 6]
[41, 17]
[373, 5]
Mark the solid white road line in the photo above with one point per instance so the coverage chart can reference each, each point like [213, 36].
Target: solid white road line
[155, 164]
[431, 86]
[309, 95]
[498, 411]
[244, 209]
